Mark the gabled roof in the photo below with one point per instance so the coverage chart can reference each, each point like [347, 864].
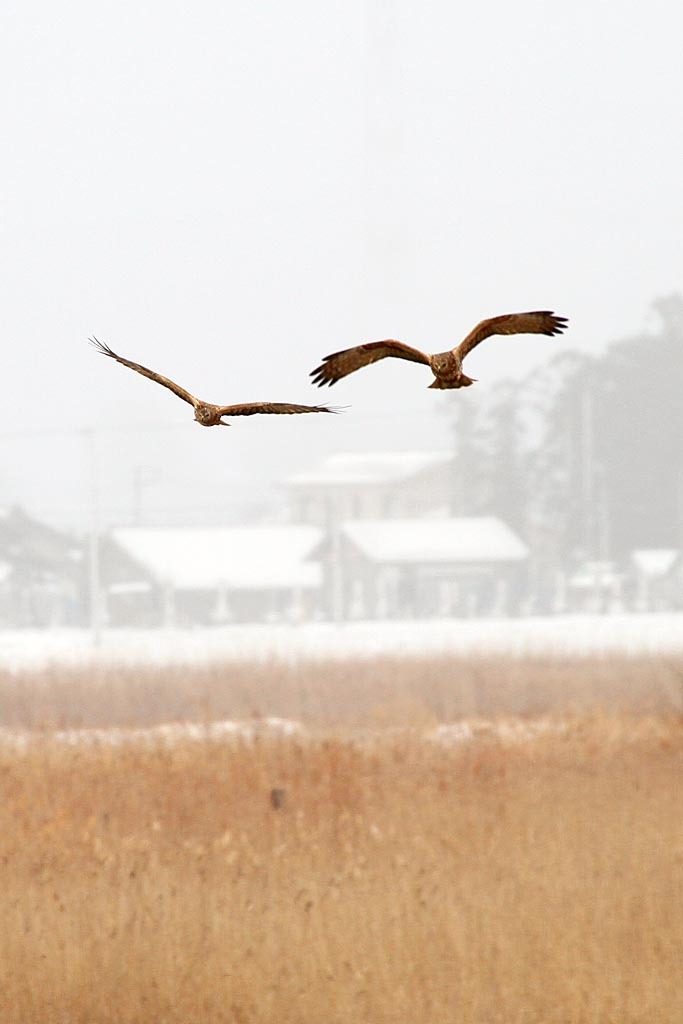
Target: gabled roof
[370, 467]
[465, 539]
[30, 546]
[654, 562]
[236, 557]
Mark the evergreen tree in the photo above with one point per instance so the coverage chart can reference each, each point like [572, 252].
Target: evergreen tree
[585, 459]
[556, 474]
[506, 484]
[469, 478]
[638, 416]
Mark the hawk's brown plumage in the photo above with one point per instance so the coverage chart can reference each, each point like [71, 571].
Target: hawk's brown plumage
[204, 412]
[446, 366]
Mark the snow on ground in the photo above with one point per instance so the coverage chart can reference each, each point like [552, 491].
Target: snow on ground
[558, 635]
[509, 731]
[506, 730]
[165, 735]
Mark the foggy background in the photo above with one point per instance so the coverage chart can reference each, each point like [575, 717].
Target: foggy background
[227, 192]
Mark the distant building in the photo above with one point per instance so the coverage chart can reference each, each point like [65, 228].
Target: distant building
[391, 549]
[42, 573]
[422, 568]
[371, 485]
[216, 574]
[656, 577]
[595, 586]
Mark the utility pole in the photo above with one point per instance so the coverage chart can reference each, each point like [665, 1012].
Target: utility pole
[383, 151]
[603, 539]
[587, 471]
[336, 568]
[94, 581]
[595, 510]
[141, 475]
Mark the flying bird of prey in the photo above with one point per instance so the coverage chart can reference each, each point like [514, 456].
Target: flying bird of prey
[446, 366]
[204, 412]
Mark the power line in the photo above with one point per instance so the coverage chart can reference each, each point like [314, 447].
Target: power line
[111, 428]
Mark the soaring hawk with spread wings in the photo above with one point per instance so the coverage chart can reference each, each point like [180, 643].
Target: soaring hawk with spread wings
[446, 366]
[204, 412]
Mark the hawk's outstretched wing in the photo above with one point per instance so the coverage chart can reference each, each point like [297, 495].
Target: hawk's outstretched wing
[171, 385]
[270, 408]
[340, 364]
[538, 322]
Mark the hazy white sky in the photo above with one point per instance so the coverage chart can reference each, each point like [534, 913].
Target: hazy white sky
[228, 191]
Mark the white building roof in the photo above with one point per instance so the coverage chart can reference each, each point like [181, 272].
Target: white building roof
[236, 557]
[654, 562]
[370, 467]
[463, 539]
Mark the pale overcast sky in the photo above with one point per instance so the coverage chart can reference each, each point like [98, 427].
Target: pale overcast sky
[228, 191]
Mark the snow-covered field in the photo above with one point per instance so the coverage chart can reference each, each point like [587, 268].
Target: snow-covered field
[167, 734]
[510, 731]
[625, 634]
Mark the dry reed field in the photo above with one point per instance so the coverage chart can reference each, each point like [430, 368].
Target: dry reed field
[400, 879]
[355, 692]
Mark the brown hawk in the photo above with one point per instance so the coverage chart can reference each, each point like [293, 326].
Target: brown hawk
[446, 366]
[204, 412]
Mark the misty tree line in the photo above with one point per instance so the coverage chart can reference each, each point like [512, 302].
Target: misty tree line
[585, 457]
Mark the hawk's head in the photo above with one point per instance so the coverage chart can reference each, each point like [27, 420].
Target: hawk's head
[204, 414]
